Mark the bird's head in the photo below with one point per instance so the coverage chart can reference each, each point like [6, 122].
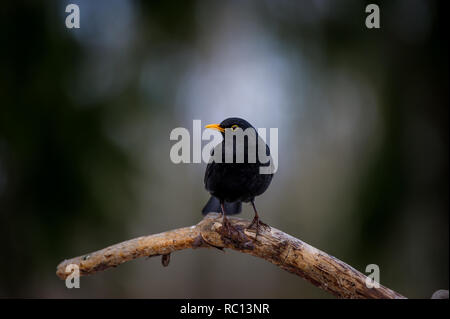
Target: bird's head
[232, 123]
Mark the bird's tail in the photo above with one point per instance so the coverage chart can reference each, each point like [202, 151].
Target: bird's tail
[213, 205]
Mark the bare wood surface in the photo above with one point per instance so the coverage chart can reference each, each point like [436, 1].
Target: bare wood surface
[273, 245]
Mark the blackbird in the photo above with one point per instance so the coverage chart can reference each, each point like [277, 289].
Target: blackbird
[232, 182]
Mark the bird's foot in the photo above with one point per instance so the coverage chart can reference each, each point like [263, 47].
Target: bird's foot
[234, 235]
[258, 225]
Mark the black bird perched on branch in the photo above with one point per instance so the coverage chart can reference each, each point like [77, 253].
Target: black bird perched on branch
[236, 173]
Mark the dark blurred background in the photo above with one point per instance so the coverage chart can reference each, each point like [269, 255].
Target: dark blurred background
[85, 118]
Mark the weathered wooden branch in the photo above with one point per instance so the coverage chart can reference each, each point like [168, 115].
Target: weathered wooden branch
[273, 245]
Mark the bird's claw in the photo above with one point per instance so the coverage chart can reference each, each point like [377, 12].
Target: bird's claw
[258, 225]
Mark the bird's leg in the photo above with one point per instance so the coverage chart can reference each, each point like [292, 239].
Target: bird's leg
[225, 222]
[256, 221]
[233, 235]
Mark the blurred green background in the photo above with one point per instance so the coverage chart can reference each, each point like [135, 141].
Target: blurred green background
[85, 118]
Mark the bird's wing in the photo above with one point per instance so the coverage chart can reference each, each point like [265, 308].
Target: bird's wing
[208, 171]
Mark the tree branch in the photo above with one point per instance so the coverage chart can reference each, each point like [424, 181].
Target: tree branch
[281, 249]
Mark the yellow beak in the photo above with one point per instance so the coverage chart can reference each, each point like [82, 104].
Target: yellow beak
[215, 127]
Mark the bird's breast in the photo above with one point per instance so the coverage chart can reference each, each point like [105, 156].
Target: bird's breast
[232, 181]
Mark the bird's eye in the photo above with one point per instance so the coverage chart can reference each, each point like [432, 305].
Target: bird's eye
[234, 127]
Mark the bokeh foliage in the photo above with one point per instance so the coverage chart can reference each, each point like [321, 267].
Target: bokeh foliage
[85, 117]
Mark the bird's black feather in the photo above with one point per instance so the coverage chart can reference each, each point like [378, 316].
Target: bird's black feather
[213, 205]
[235, 182]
